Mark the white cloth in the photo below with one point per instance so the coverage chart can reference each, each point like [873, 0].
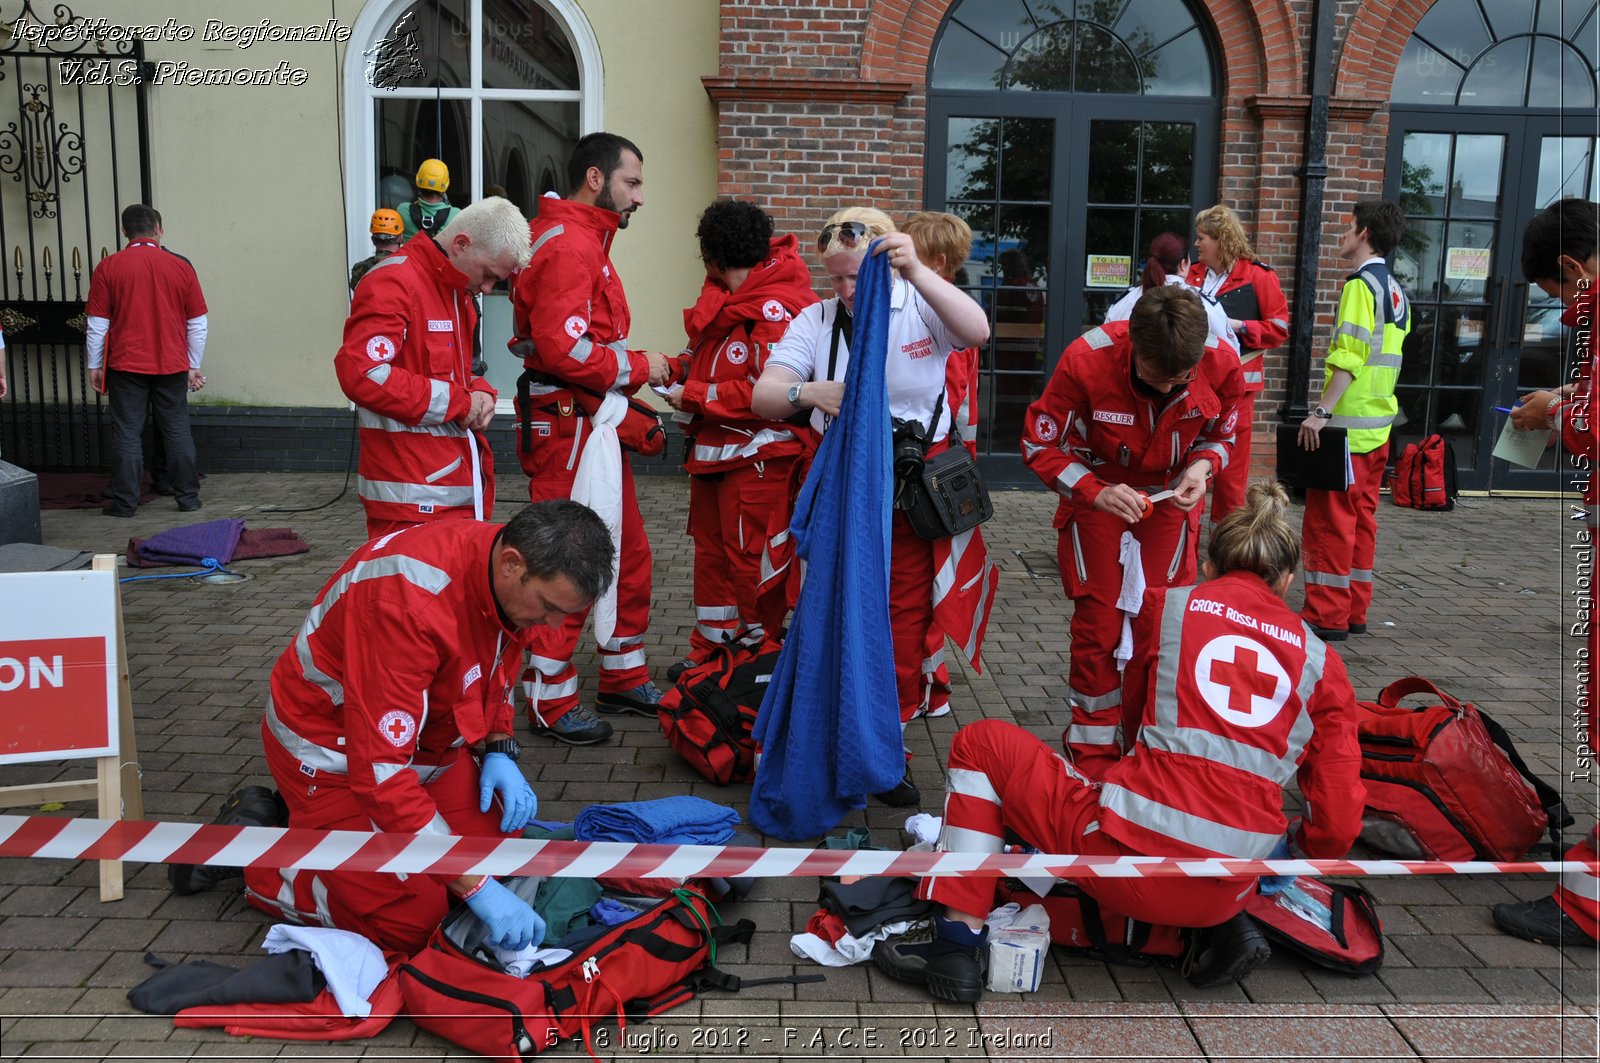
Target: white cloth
[520, 962]
[598, 485]
[919, 347]
[847, 950]
[352, 965]
[924, 828]
[1130, 599]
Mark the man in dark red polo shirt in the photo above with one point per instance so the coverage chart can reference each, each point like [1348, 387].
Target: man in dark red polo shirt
[147, 334]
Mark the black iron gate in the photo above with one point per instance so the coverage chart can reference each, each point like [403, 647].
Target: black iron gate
[74, 150]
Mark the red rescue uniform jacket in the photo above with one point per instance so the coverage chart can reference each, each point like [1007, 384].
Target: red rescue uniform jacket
[149, 294]
[406, 362]
[569, 302]
[1092, 427]
[730, 336]
[1235, 696]
[1269, 327]
[404, 658]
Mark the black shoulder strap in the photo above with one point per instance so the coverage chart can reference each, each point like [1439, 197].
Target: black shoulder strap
[842, 326]
[1549, 799]
[416, 217]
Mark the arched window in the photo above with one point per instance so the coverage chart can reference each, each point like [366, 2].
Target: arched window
[1501, 53]
[500, 90]
[1150, 47]
[1043, 135]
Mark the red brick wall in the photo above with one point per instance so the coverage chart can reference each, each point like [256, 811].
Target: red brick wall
[822, 104]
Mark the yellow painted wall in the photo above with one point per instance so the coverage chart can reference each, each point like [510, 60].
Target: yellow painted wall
[249, 180]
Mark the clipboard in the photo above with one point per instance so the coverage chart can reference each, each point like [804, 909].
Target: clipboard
[1325, 469]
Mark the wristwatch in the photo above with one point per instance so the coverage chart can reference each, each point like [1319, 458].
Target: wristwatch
[1320, 412]
[794, 394]
[508, 746]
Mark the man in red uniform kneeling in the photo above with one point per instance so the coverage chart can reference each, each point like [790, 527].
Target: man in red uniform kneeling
[391, 710]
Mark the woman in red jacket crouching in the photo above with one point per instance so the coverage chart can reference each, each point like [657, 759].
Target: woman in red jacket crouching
[1229, 696]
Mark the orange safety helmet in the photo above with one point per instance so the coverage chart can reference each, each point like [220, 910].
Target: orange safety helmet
[387, 222]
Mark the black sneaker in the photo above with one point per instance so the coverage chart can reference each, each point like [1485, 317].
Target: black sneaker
[253, 806]
[1358, 629]
[641, 700]
[904, 795]
[1543, 921]
[675, 672]
[578, 727]
[189, 507]
[1226, 953]
[1331, 634]
[944, 955]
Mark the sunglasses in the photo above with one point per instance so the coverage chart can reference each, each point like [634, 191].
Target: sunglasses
[849, 233]
[1171, 381]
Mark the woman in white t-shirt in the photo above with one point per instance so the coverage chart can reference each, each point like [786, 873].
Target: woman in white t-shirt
[1169, 264]
[928, 318]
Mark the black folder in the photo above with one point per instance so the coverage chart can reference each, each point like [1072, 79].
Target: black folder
[1326, 469]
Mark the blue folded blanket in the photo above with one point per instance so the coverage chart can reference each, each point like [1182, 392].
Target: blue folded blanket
[664, 821]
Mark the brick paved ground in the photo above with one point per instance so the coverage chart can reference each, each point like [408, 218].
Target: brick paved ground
[1471, 598]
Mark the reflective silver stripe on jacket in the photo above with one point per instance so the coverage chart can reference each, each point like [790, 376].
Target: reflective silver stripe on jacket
[419, 573]
[365, 418]
[379, 374]
[1097, 338]
[1327, 579]
[1354, 331]
[545, 237]
[412, 494]
[1254, 376]
[624, 365]
[729, 451]
[969, 783]
[438, 402]
[1339, 421]
[1185, 826]
[439, 474]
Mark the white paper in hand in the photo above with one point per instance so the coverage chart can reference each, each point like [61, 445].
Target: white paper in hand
[1521, 446]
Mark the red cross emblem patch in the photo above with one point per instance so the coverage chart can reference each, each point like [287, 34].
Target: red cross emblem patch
[772, 310]
[1046, 428]
[575, 326]
[738, 353]
[380, 349]
[398, 728]
[1241, 681]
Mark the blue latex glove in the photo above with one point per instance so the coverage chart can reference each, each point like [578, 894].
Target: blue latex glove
[1271, 884]
[500, 774]
[512, 924]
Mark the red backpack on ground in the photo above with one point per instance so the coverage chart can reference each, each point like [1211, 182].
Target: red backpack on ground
[1425, 475]
[1077, 921]
[1352, 943]
[1444, 781]
[708, 717]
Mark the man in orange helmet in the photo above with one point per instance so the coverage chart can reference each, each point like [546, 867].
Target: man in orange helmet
[386, 229]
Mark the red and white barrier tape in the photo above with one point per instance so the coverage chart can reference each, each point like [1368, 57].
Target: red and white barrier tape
[58, 838]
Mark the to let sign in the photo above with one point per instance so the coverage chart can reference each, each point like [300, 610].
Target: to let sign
[58, 666]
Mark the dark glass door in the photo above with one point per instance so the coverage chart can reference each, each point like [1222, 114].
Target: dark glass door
[1469, 184]
[1064, 195]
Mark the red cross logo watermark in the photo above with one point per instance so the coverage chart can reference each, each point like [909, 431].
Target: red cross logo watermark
[1241, 680]
[398, 728]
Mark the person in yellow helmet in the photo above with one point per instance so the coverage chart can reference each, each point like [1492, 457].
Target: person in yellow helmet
[386, 230]
[430, 211]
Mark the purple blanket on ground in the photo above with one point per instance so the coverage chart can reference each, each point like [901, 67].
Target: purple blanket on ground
[253, 543]
[191, 544]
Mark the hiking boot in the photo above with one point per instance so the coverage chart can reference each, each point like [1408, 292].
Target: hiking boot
[1226, 953]
[904, 794]
[253, 806]
[1543, 921]
[675, 672]
[578, 727]
[945, 955]
[641, 700]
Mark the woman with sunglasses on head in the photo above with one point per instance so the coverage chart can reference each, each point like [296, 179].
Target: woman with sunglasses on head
[1135, 409]
[928, 319]
[1228, 271]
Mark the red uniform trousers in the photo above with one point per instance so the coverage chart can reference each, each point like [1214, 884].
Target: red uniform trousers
[911, 620]
[1088, 550]
[742, 553]
[551, 682]
[1004, 779]
[395, 912]
[1339, 537]
[1228, 489]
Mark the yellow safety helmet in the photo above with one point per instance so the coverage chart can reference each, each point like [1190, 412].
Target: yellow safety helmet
[433, 175]
[387, 222]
